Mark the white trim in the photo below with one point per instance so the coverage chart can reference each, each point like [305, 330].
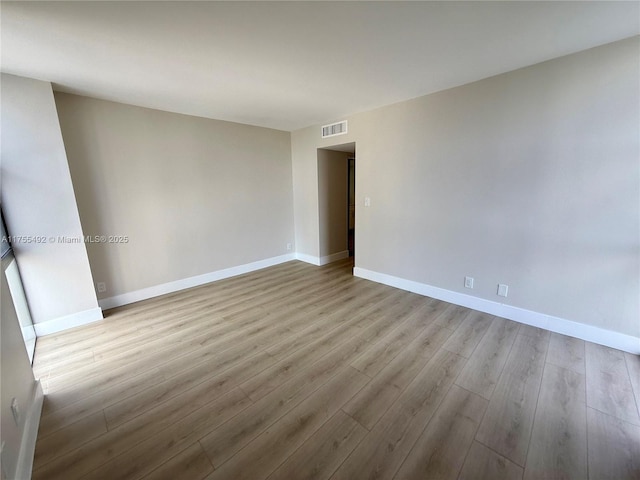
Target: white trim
[177, 285]
[583, 331]
[319, 261]
[69, 321]
[303, 257]
[30, 433]
[334, 257]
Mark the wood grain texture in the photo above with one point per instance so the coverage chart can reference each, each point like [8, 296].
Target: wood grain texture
[467, 336]
[609, 388]
[370, 404]
[385, 447]
[69, 438]
[324, 451]
[297, 371]
[149, 454]
[506, 427]
[191, 463]
[223, 442]
[614, 447]
[567, 352]
[483, 369]
[559, 438]
[267, 451]
[483, 463]
[440, 450]
[633, 366]
[451, 316]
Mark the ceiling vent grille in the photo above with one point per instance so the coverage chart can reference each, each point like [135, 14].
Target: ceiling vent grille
[334, 129]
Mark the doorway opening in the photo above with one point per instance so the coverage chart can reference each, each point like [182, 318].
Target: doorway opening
[336, 202]
[351, 202]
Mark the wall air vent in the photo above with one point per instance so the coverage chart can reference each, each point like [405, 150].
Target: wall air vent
[334, 129]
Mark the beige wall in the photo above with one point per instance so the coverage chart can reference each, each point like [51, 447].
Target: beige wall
[38, 201]
[192, 195]
[528, 178]
[332, 201]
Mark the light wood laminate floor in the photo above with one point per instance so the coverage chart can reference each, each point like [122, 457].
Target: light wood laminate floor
[297, 372]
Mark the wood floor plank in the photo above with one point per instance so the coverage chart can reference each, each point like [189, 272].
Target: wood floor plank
[451, 316]
[270, 449]
[144, 354]
[377, 357]
[567, 352]
[149, 454]
[370, 404]
[319, 324]
[69, 438]
[58, 403]
[156, 389]
[382, 352]
[190, 464]
[380, 324]
[614, 447]
[531, 331]
[605, 359]
[483, 369]
[323, 452]
[233, 435]
[149, 425]
[441, 449]
[260, 385]
[609, 388]
[135, 318]
[612, 394]
[184, 378]
[633, 366]
[559, 439]
[44, 368]
[431, 338]
[212, 377]
[175, 355]
[507, 424]
[483, 463]
[385, 447]
[67, 411]
[467, 336]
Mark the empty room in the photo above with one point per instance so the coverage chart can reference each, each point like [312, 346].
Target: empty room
[320, 240]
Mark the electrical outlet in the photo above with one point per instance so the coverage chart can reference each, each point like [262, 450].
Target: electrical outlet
[367, 201]
[102, 287]
[288, 246]
[15, 410]
[503, 290]
[468, 282]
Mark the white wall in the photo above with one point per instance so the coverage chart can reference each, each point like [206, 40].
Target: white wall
[192, 195]
[332, 202]
[528, 178]
[38, 200]
[17, 382]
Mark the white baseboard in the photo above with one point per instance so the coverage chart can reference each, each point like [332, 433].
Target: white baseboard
[303, 257]
[319, 261]
[583, 331]
[30, 433]
[170, 287]
[334, 257]
[69, 321]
